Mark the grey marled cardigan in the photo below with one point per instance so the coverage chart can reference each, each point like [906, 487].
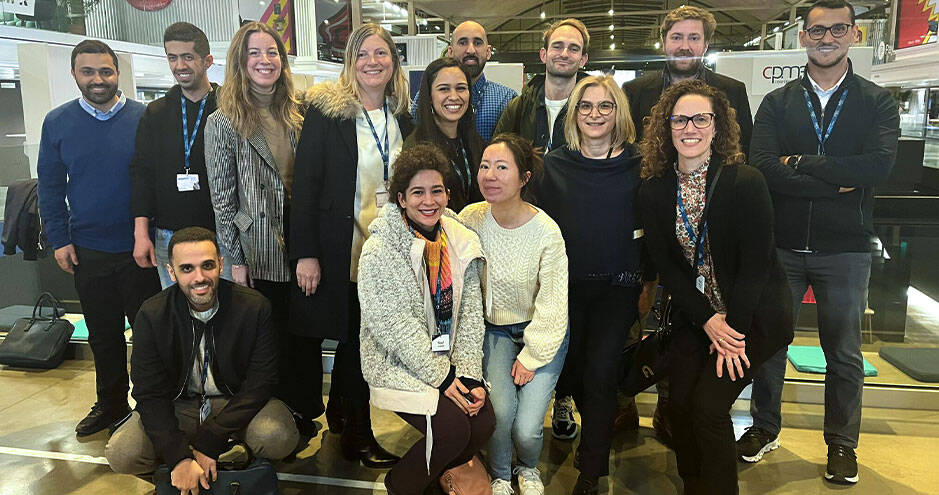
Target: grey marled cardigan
[397, 315]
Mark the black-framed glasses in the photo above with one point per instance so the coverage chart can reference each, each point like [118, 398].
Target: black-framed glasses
[700, 120]
[837, 31]
[603, 108]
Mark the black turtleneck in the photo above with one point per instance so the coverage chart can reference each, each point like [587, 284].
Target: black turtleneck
[430, 235]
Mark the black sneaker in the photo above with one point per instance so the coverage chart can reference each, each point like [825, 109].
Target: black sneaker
[101, 418]
[563, 426]
[754, 443]
[842, 465]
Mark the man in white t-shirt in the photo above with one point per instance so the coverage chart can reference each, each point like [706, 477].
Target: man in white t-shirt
[538, 113]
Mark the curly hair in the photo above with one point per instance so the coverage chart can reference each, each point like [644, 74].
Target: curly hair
[527, 160]
[658, 152]
[422, 156]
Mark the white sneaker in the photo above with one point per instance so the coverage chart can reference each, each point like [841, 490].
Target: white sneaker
[502, 487]
[529, 481]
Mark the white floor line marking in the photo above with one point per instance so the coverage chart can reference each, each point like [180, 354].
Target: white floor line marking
[296, 478]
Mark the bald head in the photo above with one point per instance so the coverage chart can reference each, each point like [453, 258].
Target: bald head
[470, 46]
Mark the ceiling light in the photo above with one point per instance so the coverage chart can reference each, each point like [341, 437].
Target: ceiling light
[611, 27]
[657, 45]
[611, 36]
[612, 46]
[610, 11]
[542, 14]
[776, 29]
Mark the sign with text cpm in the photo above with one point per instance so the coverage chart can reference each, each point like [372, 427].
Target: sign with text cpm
[19, 7]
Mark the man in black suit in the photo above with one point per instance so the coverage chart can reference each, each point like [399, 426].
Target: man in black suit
[686, 32]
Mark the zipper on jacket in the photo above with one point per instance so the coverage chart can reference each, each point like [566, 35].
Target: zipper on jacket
[192, 356]
[214, 372]
[808, 226]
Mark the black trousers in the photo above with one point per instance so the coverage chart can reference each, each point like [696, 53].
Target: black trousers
[600, 318]
[300, 362]
[111, 286]
[699, 410]
[457, 438]
[347, 380]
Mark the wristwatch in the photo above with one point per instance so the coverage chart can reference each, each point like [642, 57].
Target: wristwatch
[793, 161]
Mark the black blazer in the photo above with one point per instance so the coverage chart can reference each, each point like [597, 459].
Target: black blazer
[644, 92]
[244, 367]
[321, 212]
[740, 236]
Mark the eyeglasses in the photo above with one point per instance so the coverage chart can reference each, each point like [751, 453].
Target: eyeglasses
[603, 108]
[700, 120]
[837, 31]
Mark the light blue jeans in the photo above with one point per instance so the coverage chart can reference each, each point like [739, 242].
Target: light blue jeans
[161, 243]
[520, 411]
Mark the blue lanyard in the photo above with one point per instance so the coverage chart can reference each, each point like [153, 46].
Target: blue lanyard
[188, 140]
[699, 252]
[384, 152]
[823, 138]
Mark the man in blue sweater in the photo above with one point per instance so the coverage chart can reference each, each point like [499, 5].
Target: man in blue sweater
[84, 157]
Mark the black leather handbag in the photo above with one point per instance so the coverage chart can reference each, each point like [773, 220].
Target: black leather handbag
[259, 478]
[38, 341]
[645, 362]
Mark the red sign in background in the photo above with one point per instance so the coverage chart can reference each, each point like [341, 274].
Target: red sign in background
[149, 5]
[917, 20]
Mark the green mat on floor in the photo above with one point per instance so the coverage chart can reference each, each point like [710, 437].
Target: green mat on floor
[811, 359]
[81, 329]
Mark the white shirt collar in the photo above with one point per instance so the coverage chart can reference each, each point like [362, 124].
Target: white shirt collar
[827, 92]
[98, 114]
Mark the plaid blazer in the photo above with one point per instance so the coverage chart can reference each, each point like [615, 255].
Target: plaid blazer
[248, 197]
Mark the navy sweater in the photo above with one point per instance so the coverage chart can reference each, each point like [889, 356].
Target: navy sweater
[87, 161]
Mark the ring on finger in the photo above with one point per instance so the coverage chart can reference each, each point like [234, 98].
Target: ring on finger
[720, 340]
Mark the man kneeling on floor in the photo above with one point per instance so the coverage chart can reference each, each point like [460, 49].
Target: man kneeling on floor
[203, 366]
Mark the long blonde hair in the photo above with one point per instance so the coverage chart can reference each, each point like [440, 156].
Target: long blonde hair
[398, 87]
[234, 97]
[624, 131]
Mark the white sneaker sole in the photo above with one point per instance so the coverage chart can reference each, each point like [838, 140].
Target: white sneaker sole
[843, 480]
[771, 446]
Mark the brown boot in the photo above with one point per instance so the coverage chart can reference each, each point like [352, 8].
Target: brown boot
[627, 418]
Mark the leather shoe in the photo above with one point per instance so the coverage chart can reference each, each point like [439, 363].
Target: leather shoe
[101, 418]
[586, 486]
[357, 441]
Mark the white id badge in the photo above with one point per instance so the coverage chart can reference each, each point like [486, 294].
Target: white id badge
[441, 343]
[187, 182]
[204, 410]
[699, 283]
[381, 198]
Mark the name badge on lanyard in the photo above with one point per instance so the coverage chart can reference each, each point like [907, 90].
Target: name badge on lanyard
[187, 181]
[698, 242]
[823, 138]
[381, 196]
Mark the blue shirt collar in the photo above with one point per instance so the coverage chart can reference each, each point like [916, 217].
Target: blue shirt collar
[98, 114]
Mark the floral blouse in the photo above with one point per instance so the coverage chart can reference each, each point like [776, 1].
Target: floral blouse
[693, 188]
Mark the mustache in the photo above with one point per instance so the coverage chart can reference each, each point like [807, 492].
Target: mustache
[471, 57]
[683, 53]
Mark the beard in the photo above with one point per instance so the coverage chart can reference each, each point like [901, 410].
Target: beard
[813, 57]
[101, 98]
[571, 72]
[474, 69]
[206, 300]
[686, 56]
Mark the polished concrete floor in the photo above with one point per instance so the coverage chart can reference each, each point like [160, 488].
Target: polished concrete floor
[39, 453]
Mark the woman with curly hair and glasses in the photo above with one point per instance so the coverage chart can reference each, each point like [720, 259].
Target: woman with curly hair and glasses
[708, 222]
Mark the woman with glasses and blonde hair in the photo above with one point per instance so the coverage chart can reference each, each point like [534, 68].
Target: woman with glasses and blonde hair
[353, 131]
[249, 156]
[708, 221]
[589, 189]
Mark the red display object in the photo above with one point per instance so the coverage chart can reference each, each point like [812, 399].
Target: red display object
[149, 5]
[917, 21]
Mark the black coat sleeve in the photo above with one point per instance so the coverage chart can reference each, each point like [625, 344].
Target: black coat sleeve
[155, 391]
[754, 223]
[309, 171]
[256, 390]
[142, 173]
[872, 165]
[674, 273]
[765, 152]
[744, 117]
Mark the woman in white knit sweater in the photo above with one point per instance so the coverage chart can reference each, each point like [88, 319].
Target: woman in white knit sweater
[525, 293]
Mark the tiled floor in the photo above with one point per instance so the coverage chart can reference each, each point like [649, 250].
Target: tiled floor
[39, 453]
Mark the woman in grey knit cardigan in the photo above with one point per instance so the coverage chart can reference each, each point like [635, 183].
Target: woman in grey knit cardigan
[422, 322]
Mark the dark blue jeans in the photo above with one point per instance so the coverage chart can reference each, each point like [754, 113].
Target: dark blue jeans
[839, 282]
